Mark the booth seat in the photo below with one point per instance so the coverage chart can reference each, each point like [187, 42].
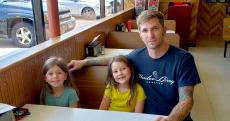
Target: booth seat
[132, 40]
[169, 24]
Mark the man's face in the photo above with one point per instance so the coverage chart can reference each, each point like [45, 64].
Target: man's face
[151, 33]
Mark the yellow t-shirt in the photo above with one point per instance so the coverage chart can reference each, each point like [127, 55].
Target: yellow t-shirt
[119, 100]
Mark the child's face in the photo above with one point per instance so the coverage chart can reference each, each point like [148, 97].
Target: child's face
[55, 76]
[121, 72]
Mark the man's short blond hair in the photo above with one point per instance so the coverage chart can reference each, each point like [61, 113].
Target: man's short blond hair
[149, 14]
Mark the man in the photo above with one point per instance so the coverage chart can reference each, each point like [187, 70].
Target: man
[166, 73]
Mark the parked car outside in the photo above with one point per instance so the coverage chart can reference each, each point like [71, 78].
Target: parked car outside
[87, 9]
[17, 22]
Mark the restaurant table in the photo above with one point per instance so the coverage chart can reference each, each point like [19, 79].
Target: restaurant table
[54, 113]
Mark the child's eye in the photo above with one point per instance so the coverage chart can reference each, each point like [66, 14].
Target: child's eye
[114, 71]
[124, 68]
[49, 74]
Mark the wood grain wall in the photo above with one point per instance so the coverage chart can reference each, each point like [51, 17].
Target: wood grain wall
[21, 82]
[210, 18]
[193, 26]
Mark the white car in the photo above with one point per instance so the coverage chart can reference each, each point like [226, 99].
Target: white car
[87, 9]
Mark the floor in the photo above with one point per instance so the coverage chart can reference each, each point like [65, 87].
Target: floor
[213, 94]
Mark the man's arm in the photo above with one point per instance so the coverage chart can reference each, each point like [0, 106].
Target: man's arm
[78, 64]
[183, 108]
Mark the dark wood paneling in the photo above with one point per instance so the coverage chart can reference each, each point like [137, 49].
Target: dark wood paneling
[210, 18]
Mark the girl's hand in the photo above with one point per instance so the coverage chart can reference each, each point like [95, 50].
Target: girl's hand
[140, 106]
[75, 105]
[105, 103]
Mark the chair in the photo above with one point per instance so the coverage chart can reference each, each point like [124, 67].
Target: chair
[226, 34]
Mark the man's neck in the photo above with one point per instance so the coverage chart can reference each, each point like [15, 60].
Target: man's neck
[159, 52]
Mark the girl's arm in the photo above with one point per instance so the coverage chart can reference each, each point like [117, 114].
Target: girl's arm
[75, 105]
[140, 106]
[105, 103]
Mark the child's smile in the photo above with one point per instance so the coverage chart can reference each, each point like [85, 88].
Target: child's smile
[55, 76]
[121, 72]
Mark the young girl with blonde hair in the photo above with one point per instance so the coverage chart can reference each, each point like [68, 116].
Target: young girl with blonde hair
[122, 92]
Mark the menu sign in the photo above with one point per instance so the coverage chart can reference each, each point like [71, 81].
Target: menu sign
[153, 5]
[139, 6]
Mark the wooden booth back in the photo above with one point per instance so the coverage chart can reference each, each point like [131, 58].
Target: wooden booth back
[132, 40]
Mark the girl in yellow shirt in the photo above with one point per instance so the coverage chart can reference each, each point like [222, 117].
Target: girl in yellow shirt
[122, 92]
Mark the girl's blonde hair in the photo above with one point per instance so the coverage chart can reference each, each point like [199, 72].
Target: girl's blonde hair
[52, 61]
[132, 81]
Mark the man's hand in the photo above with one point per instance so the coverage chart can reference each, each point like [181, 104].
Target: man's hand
[76, 65]
[161, 119]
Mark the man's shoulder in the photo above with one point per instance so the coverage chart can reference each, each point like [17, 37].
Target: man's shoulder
[137, 51]
[140, 49]
[179, 52]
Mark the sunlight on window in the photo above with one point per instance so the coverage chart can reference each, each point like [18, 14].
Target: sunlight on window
[7, 52]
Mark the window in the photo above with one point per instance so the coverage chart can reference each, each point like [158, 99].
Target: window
[87, 11]
[73, 14]
[16, 24]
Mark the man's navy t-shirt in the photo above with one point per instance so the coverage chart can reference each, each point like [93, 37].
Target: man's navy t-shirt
[161, 78]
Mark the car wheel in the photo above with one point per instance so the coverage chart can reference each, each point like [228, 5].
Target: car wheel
[88, 13]
[23, 35]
